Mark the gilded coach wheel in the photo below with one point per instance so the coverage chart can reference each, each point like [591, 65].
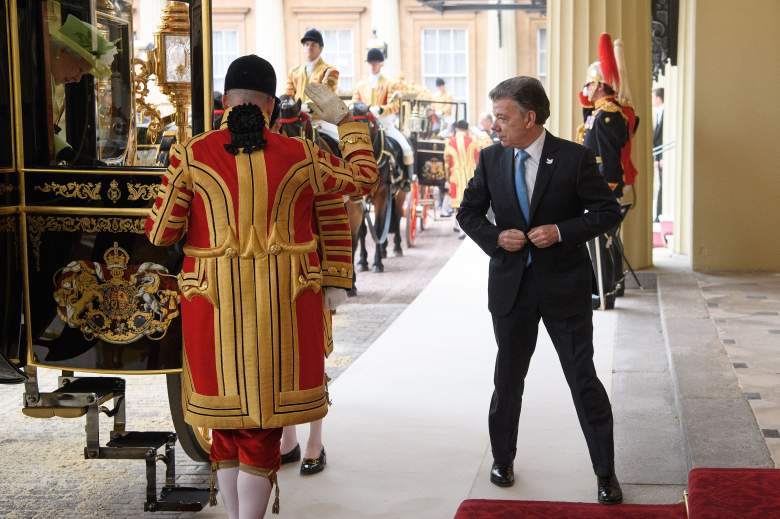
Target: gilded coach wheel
[92, 96]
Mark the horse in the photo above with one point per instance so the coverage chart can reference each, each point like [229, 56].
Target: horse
[389, 196]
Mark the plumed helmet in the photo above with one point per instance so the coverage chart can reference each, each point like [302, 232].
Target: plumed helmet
[251, 73]
[375, 55]
[604, 70]
[313, 35]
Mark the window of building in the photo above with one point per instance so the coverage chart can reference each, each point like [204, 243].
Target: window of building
[445, 55]
[541, 54]
[339, 51]
[225, 49]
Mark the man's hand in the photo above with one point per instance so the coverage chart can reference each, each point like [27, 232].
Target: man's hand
[512, 240]
[543, 236]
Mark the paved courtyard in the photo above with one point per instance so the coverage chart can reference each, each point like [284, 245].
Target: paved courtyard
[44, 473]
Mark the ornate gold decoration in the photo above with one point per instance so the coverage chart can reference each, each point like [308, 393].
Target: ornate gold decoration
[115, 301]
[141, 72]
[86, 191]
[9, 224]
[37, 225]
[141, 191]
[174, 61]
[6, 188]
[114, 193]
[433, 169]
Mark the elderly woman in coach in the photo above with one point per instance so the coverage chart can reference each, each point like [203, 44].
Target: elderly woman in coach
[252, 312]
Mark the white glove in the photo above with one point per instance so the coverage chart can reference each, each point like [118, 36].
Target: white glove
[305, 108]
[334, 297]
[325, 104]
[375, 110]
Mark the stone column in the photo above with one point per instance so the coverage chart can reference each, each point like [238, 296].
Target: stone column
[270, 40]
[384, 19]
[500, 53]
[574, 27]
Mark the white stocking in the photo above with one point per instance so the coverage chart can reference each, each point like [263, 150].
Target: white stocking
[253, 494]
[314, 445]
[228, 490]
[289, 439]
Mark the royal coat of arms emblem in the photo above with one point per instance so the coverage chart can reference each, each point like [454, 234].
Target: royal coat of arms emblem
[114, 301]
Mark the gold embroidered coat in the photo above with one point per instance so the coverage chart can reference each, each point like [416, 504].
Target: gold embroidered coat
[254, 327]
[380, 95]
[321, 73]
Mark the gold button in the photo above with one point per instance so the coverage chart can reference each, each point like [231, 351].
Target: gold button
[230, 252]
[343, 272]
[275, 249]
[301, 279]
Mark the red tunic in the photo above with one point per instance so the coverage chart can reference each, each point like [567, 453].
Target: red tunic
[253, 321]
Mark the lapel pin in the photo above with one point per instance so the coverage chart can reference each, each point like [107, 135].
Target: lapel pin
[549, 161]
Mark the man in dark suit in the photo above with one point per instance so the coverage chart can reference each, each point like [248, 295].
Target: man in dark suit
[658, 140]
[549, 199]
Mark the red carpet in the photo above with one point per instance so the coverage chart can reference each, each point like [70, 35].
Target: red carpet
[498, 509]
[734, 493]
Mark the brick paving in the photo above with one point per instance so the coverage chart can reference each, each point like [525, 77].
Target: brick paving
[44, 474]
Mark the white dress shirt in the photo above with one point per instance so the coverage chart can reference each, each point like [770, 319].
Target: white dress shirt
[534, 151]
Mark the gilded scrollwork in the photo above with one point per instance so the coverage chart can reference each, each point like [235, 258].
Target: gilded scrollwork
[116, 301]
[144, 69]
[9, 224]
[141, 191]
[37, 225]
[83, 191]
[6, 188]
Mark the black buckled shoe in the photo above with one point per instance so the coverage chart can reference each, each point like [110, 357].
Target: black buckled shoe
[311, 466]
[292, 456]
[502, 475]
[609, 492]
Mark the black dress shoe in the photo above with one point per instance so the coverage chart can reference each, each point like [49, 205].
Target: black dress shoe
[311, 466]
[609, 492]
[502, 475]
[292, 456]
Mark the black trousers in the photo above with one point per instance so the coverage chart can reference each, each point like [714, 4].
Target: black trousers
[573, 340]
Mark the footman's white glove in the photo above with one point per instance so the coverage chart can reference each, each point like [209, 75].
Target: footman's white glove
[325, 104]
[334, 297]
[375, 110]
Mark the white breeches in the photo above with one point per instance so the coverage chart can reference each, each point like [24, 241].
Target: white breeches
[388, 123]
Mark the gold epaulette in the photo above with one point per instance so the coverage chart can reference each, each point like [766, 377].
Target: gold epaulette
[608, 105]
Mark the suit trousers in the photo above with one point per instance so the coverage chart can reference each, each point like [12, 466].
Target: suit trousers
[572, 338]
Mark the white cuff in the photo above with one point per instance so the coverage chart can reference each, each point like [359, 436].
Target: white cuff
[560, 239]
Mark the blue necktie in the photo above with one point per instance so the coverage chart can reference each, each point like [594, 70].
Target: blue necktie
[520, 187]
[522, 190]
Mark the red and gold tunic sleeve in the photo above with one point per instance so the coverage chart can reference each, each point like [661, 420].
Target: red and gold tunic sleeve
[356, 173]
[335, 240]
[167, 221]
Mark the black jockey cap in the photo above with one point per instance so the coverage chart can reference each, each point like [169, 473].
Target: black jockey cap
[313, 35]
[251, 73]
[375, 55]
[439, 82]
[462, 125]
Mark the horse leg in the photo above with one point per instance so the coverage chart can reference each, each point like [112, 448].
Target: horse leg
[363, 263]
[380, 199]
[398, 210]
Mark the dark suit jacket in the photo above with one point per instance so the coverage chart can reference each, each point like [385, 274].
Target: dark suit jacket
[658, 135]
[567, 184]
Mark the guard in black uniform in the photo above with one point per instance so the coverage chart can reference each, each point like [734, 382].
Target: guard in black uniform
[605, 132]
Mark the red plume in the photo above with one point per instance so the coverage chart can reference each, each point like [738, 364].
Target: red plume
[584, 101]
[609, 66]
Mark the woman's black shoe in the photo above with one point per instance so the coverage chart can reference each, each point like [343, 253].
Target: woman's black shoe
[292, 456]
[311, 466]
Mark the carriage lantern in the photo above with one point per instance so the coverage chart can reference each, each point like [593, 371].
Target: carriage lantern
[173, 64]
